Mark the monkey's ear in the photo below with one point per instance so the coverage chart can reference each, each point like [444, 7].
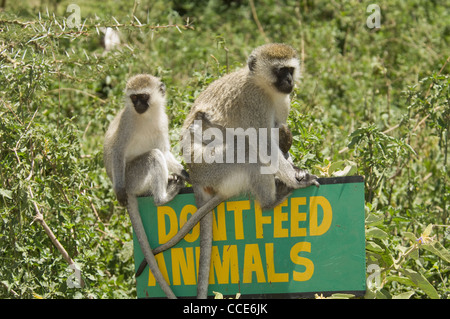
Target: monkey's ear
[162, 88]
[251, 62]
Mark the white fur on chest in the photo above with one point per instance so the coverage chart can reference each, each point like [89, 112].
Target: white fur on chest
[282, 104]
[148, 135]
[236, 183]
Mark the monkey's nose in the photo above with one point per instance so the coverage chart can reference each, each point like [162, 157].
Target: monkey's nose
[141, 107]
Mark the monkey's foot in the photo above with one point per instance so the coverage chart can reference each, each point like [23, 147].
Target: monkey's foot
[176, 180]
[122, 196]
[174, 184]
[305, 179]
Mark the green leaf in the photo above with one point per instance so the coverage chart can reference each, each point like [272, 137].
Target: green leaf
[410, 236]
[371, 246]
[341, 296]
[401, 280]
[437, 249]
[420, 281]
[6, 193]
[377, 294]
[342, 168]
[217, 295]
[427, 231]
[348, 170]
[404, 295]
[369, 294]
[374, 219]
[383, 294]
[126, 252]
[375, 232]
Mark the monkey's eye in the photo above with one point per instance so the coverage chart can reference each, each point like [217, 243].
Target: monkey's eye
[133, 97]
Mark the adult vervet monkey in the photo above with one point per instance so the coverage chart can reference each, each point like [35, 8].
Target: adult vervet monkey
[284, 142]
[255, 97]
[137, 157]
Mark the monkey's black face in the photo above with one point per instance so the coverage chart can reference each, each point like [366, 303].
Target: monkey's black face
[140, 102]
[285, 79]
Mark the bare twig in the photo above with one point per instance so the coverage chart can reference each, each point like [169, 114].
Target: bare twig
[302, 41]
[86, 29]
[111, 236]
[23, 24]
[150, 27]
[9, 289]
[391, 128]
[11, 110]
[78, 91]
[255, 16]
[95, 211]
[40, 218]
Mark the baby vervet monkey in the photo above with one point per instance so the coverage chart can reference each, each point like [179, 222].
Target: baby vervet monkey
[138, 160]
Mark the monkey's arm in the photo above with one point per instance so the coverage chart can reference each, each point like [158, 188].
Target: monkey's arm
[117, 142]
[283, 167]
[285, 139]
[172, 164]
[118, 164]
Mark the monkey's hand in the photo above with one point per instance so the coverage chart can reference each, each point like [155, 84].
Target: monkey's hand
[179, 178]
[175, 183]
[185, 176]
[305, 179]
[121, 194]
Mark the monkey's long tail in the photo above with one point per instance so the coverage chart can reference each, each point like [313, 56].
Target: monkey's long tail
[138, 227]
[187, 227]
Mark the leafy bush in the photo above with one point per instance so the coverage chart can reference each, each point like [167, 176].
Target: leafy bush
[374, 102]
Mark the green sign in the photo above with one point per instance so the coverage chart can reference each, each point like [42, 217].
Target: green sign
[313, 242]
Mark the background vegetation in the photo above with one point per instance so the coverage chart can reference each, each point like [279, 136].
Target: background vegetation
[372, 101]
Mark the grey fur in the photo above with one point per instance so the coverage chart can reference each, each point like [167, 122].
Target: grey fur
[247, 98]
[138, 160]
